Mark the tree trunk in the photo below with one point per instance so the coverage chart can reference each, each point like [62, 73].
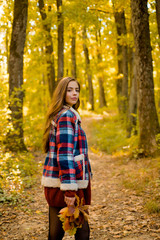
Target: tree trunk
[16, 94]
[73, 52]
[7, 47]
[125, 79]
[49, 48]
[60, 39]
[148, 120]
[122, 55]
[158, 17]
[132, 106]
[88, 70]
[158, 25]
[102, 99]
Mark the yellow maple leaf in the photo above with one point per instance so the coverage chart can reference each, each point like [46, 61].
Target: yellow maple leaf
[76, 212]
[63, 210]
[66, 225]
[73, 220]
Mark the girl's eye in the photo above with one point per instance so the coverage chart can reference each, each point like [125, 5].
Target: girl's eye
[69, 90]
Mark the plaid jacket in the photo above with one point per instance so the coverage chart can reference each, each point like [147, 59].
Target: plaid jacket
[67, 165]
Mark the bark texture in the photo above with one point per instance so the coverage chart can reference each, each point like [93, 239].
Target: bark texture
[88, 70]
[158, 16]
[60, 39]
[148, 120]
[73, 52]
[16, 94]
[122, 54]
[48, 48]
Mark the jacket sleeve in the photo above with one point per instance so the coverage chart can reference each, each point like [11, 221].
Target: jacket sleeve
[65, 146]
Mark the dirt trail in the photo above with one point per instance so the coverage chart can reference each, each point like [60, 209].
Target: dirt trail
[116, 213]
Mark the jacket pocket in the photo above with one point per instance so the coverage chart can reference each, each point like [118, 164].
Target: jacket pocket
[80, 167]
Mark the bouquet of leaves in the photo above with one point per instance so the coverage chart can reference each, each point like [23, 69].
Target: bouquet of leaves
[73, 220]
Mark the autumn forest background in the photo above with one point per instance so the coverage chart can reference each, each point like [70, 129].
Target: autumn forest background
[112, 48]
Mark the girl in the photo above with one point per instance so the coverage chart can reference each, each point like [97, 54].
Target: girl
[67, 169]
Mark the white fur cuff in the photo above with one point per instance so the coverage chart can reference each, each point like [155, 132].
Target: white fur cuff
[55, 182]
[50, 182]
[69, 186]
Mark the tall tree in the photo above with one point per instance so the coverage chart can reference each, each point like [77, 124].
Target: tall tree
[132, 103]
[88, 69]
[16, 94]
[73, 52]
[148, 120]
[60, 39]
[48, 47]
[122, 55]
[158, 16]
[158, 26]
[102, 99]
[7, 46]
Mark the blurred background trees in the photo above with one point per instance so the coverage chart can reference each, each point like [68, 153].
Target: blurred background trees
[114, 56]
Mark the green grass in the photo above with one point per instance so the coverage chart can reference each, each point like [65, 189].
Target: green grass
[152, 206]
[142, 177]
[109, 135]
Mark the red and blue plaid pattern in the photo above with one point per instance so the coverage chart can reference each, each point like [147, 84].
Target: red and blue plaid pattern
[66, 164]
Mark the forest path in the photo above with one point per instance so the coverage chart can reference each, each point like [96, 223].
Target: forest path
[115, 213]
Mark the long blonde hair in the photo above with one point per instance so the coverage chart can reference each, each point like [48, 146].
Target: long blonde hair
[57, 103]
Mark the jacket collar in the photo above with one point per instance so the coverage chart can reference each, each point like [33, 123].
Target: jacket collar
[74, 111]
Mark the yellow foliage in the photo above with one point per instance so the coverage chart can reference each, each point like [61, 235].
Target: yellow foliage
[72, 221]
[76, 213]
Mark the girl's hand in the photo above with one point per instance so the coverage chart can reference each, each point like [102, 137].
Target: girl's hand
[70, 203]
[69, 200]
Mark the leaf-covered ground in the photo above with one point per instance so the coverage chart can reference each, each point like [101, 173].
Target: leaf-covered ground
[115, 213]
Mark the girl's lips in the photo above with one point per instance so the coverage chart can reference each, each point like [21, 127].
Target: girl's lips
[74, 98]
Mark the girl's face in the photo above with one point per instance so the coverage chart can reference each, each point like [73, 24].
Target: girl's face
[72, 93]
